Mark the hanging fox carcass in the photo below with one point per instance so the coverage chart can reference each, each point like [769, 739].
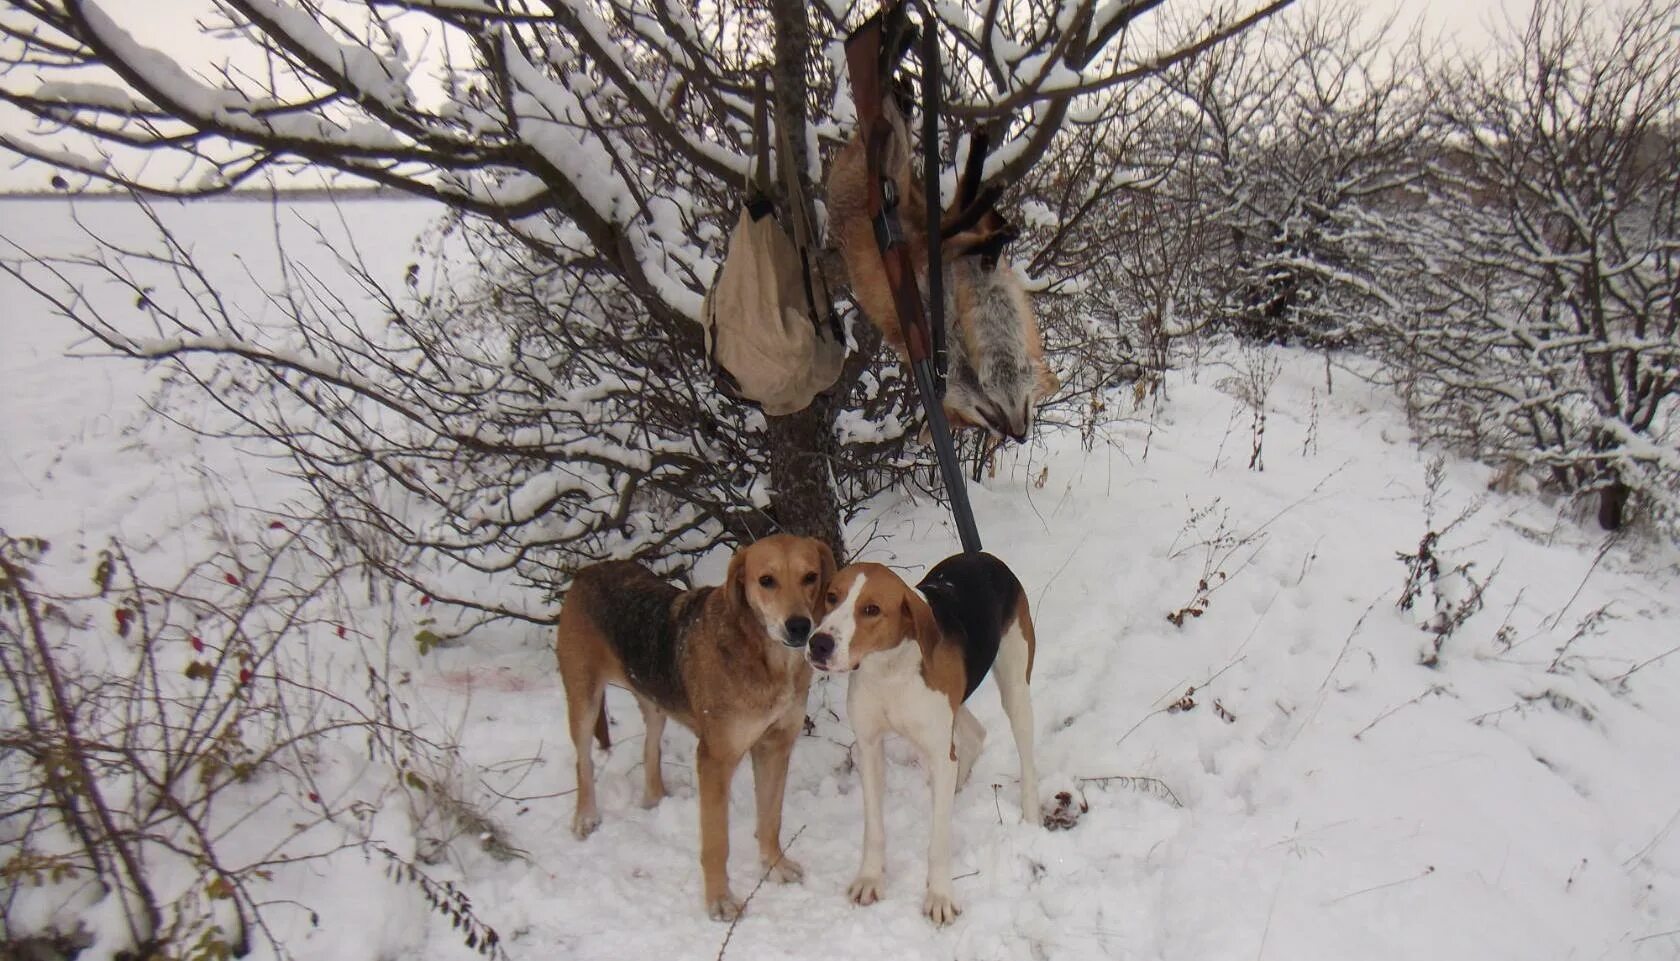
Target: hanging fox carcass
[997, 374]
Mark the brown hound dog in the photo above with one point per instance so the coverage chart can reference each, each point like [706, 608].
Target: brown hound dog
[724, 661]
[915, 658]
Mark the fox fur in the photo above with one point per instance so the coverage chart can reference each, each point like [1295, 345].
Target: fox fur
[996, 374]
[853, 232]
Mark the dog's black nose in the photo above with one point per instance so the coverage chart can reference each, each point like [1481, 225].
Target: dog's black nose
[822, 645]
[798, 629]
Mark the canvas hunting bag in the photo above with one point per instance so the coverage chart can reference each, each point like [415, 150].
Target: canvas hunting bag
[772, 334]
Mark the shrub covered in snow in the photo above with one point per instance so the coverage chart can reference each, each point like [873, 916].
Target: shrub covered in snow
[181, 758]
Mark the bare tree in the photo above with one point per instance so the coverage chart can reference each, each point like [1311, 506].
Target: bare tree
[1125, 246]
[1254, 188]
[161, 743]
[1548, 327]
[1313, 133]
[594, 150]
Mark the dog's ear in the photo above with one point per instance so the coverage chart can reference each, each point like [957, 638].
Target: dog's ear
[825, 556]
[920, 616]
[735, 582]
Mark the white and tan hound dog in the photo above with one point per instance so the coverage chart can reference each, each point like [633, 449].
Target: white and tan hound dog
[915, 660]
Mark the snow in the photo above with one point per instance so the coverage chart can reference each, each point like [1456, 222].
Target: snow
[61, 157]
[158, 71]
[1325, 796]
[360, 135]
[550, 117]
[370, 76]
[102, 95]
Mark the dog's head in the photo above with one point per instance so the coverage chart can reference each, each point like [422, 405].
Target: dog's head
[778, 583]
[870, 609]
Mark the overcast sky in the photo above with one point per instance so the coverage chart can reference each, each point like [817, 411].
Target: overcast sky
[169, 25]
[1469, 22]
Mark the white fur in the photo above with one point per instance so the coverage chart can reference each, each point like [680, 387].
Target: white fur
[990, 371]
[1010, 670]
[841, 624]
[888, 693]
[776, 630]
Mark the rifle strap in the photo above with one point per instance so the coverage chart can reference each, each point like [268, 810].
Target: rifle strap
[817, 294]
[758, 181]
[930, 188]
[864, 60]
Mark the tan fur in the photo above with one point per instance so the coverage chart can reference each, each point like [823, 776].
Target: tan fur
[746, 694]
[1023, 620]
[872, 611]
[1047, 382]
[942, 660]
[888, 609]
[902, 613]
[847, 197]
[854, 233]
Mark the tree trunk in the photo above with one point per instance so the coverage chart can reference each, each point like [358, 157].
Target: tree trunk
[803, 498]
[1612, 505]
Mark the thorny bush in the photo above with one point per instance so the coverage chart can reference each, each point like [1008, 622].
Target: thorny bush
[162, 750]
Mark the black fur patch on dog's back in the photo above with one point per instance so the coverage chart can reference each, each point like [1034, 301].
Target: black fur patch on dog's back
[973, 597]
[644, 620]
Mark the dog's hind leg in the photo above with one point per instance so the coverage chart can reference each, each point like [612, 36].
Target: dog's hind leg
[585, 697]
[653, 776]
[770, 758]
[603, 737]
[1013, 671]
[970, 735]
[579, 650]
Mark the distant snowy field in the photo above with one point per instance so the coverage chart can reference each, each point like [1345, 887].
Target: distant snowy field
[1323, 795]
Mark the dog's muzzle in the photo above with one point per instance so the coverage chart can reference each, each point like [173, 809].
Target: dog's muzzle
[820, 650]
[797, 630]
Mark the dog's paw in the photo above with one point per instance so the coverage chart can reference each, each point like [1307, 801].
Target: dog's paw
[1061, 812]
[939, 908]
[785, 871]
[725, 908]
[865, 889]
[584, 823]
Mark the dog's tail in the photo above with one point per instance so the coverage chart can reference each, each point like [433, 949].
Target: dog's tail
[601, 736]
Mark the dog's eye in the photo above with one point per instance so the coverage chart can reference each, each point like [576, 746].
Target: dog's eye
[765, 580]
[810, 578]
[833, 598]
[871, 610]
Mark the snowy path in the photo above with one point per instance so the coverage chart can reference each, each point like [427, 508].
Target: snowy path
[1335, 798]
[1537, 832]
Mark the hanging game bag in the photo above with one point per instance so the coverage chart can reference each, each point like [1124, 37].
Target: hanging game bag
[772, 334]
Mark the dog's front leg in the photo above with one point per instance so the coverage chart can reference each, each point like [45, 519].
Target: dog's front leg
[717, 769]
[938, 905]
[872, 762]
[770, 758]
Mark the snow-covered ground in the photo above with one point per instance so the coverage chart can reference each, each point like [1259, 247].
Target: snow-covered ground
[1319, 794]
